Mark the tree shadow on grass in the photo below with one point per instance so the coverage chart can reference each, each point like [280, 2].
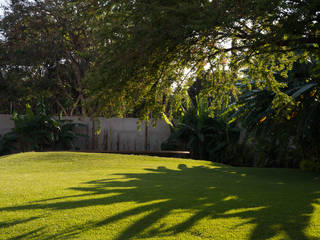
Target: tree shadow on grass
[274, 201]
[16, 221]
[29, 235]
[33, 234]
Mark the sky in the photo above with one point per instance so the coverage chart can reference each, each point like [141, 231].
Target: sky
[2, 2]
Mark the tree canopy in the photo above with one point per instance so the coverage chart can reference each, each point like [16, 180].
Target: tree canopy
[110, 57]
[46, 50]
[150, 48]
[254, 60]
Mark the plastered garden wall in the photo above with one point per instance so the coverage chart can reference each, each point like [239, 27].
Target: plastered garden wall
[115, 134]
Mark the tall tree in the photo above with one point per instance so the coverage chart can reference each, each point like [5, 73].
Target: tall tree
[47, 48]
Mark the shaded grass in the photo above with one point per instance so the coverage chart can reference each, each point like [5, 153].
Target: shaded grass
[106, 196]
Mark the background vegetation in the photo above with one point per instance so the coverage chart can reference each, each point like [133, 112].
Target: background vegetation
[39, 131]
[254, 65]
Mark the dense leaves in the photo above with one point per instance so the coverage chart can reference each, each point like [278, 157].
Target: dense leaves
[289, 134]
[254, 61]
[38, 131]
[204, 136]
[150, 46]
[46, 48]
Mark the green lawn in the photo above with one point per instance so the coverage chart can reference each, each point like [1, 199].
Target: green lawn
[106, 196]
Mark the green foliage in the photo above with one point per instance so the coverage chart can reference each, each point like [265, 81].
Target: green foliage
[38, 131]
[257, 60]
[148, 47]
[277, 135]
[286, 134]
[205, 136]
[46, 48]
[7, 143]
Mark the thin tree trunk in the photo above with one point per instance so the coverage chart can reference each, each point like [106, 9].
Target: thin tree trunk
[61, 107]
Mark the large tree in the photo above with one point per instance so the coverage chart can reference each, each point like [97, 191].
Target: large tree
[150, 48]
[46, 51]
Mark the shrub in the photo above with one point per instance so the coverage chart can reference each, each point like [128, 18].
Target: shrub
[38, 131]
[204, 136]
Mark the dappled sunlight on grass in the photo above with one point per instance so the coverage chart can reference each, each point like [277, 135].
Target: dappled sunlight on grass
[159, 198]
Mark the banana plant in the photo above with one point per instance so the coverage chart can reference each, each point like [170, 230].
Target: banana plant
[288, 128]
[205, 136]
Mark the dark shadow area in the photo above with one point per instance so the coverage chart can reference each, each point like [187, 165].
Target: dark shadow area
[273, 200]
[17, 221]
[34, 234]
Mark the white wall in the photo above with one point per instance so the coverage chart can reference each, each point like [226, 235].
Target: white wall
[117, 134]
[6, 124]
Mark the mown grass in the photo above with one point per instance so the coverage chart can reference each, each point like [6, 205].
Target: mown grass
[105, 196]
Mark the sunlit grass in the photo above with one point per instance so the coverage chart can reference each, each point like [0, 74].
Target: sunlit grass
[106, 196]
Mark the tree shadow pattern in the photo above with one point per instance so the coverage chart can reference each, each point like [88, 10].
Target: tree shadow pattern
[258, 197]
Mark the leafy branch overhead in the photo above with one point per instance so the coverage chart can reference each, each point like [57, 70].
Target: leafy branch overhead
[151, 47]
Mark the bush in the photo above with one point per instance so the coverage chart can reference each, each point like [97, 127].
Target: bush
[7, 143]
[204, 136]
[38, 131]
